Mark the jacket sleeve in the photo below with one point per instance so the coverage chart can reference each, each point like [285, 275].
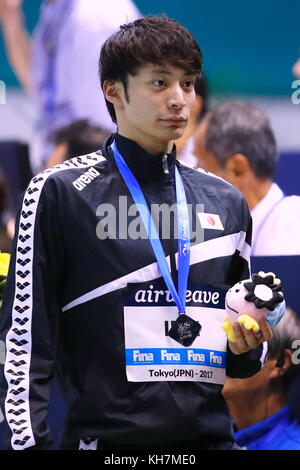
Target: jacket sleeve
[240, 268]
[247, 364]
[29, 318]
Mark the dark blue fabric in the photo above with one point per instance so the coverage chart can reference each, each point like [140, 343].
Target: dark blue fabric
[280, 431]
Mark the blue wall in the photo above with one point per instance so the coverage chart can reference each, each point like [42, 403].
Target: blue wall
[249, 47]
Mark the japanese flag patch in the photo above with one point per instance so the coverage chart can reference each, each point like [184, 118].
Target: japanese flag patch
[210, 221]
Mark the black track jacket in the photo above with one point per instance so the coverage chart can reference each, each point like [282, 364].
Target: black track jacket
[63, 310]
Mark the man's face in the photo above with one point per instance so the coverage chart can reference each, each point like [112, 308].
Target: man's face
[236, 170]
[207, 160]
[160, 101]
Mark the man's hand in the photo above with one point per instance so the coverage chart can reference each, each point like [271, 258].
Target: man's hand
[296, 69]
[248, 339]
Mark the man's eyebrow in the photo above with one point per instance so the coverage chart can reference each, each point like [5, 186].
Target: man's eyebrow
[167, 72]
[162, 71]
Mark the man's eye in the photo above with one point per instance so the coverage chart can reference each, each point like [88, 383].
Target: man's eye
[158, 83]
[188, 84]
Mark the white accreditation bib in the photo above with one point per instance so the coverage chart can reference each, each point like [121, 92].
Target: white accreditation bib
[151, 355]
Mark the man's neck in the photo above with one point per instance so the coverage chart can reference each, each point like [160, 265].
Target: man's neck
[152, 146]
[255, 192]
[189, 130]
[247, 411]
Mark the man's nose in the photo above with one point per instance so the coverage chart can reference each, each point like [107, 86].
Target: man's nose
[176, 98]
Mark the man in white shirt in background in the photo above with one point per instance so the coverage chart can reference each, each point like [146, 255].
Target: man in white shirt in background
[235, 141]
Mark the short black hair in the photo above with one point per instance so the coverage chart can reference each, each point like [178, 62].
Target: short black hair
[81, 136]
[239, 127]
[153, 39]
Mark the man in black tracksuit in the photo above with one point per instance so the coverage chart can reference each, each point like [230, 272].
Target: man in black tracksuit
[85, 296]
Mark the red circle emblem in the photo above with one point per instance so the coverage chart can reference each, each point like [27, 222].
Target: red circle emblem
[211, 220]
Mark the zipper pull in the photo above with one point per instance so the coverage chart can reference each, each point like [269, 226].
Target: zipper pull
[165, 164]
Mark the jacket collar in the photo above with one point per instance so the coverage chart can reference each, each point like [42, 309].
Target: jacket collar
[142, 164]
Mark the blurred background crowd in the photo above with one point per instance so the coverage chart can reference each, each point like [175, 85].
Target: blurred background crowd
[245, 127]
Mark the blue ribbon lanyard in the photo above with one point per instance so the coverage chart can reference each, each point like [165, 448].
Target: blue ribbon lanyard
[183, 230]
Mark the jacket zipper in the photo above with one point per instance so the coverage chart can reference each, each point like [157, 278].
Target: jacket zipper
[165, 164]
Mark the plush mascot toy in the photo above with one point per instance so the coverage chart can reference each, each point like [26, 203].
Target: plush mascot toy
[252, 299]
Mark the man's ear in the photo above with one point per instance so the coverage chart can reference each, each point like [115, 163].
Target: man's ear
[239, 164]
[282, 363]
[113, 92]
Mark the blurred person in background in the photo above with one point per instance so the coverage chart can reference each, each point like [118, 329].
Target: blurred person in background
[296, 68]
[185, 145]
[5, 243]
[259, 405]
[58, 64]
[235, 141]
[79, 138]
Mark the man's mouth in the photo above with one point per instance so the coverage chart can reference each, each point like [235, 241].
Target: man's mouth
[175, 120]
